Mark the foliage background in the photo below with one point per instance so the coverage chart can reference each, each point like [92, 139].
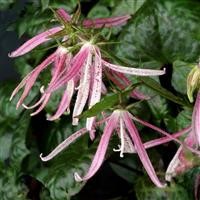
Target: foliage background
[160, 34]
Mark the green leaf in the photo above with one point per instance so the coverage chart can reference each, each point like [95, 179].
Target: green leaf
[127, 168]
[57, 175]
[162, 32]
[107, 102]
[99, 12]
[7, 107]
[162, 91]
[12, 140]
[125, 7]
[184, 118]
[45, 4]
[179, 76]
[11, 185]
[5, 4]
[146, 191]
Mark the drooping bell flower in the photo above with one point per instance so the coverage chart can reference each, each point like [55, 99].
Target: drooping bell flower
[89, 64]
[47, 35]
[120, 122]
[181, 161]
[59, 60]
[84, 69]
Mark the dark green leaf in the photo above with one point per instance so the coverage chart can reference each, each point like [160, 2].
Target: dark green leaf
[184, 118]
[57, 176]
[162, 32]
[11, 185]
[179, 76]
[146, 191]
[127, 168]
[162, 91]
[45, 4]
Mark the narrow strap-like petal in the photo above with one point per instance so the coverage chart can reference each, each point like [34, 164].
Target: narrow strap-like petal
[101, 150]
[133, 71]
[35, 41]
[64, 144]
[166, 139]
[96, 88]
[83, 90]
[76, 64]
[44, 103]
[72, 138]
[63, 14]
[196, 119]
[121, 81]
[65, 101]
[30, 80]
[175, 162]
[106, 22]
[141, 150]
[192, 149]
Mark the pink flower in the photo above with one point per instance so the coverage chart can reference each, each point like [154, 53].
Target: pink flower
[60, 58]
[89, 64]
[83, 72]
[121, 121]
[46, 36]
[181, 162]
[121, 81]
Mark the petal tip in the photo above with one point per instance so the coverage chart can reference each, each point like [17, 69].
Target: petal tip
[43, 158]
[77, 177]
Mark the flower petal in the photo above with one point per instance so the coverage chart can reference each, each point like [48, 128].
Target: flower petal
[83, 91]
[101, 150]
[133, 71]
[64, 144]
[65, 101]
[141, 150]
[44, 103]
[175, 162]
[106, 22]
[76, 64]
[35, 41]
[30, 79]
[196, 119]
[96, 89]
[123, 82]
[64, 15]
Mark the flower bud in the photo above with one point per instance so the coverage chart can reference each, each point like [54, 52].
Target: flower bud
[193, 81]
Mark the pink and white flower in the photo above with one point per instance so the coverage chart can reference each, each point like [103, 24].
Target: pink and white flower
[121, 121]
[83, 72]
[180, 161]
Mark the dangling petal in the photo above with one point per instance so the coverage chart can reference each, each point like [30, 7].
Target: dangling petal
[65, 101]
[101, 150]
[83, 91]
[44, 103]
[64, 15]
[106, 22]
[175, 162]
[121, 81]
[64, 144]
[196, 119]
[96, 89]
[141, 150]
[180, 161]
[166, 139]
[76, 64]
[35, 104]
[34, 42]
[31, 78]
[133, 71]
